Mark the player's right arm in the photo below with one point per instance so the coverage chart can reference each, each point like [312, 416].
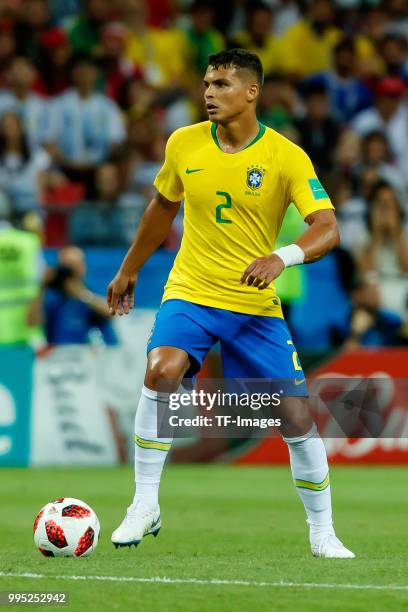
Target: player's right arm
[152, 231]
[153, 228]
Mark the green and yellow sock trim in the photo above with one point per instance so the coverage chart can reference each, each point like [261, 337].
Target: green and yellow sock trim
[152, 444]
[313, 486]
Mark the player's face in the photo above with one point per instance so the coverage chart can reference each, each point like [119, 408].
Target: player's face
[228, 93]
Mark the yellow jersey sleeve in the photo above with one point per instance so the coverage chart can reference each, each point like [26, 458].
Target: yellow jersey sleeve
[305, 189]
[168, 181]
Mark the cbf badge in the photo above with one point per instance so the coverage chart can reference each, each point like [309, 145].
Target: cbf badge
[255, 176]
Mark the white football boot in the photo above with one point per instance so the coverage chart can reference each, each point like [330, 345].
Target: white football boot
[330, 547]
[138, 522]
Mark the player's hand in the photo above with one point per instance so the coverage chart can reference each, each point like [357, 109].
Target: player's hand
[120, 294]
[262, 271]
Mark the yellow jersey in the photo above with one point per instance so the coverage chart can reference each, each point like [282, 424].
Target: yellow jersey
[234, 204]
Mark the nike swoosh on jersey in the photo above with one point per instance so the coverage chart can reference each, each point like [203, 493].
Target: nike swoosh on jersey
[188, 171]
[299, 382]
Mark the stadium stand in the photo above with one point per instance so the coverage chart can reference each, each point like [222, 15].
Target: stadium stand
[88, 98]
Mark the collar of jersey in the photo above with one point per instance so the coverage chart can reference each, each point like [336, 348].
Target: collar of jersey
[259, 135]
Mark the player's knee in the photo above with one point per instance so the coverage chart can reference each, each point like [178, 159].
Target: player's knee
[164, 375]
[297, 419]
[300, 426]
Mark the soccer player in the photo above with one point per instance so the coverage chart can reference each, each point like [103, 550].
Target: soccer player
[237, 177]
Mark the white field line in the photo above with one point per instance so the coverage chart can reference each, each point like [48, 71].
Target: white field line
[213, 582]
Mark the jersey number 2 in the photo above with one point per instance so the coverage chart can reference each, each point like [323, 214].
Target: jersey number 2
[227, 204]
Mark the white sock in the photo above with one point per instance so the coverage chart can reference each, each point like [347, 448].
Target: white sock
[310, 471]
[150, 451]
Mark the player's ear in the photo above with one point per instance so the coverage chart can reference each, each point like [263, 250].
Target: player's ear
[252, 92]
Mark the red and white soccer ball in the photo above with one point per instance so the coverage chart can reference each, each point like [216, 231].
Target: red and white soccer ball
[66, 527]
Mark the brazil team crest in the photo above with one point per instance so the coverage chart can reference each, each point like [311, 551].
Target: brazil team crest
[255, 175]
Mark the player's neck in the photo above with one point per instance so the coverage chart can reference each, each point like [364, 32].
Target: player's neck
[236, 135]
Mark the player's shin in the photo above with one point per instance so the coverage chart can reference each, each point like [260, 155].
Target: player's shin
[310, 473]
[150, 451]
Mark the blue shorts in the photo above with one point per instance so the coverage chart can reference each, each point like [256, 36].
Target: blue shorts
[252, 347]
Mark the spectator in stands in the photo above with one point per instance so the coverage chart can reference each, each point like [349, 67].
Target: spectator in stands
[85, 31]
[376, 154]
[351, 213]
[371, 325]
[7, 48]
[278, 102]
[115, 68]
[86, 123]
[375, 149]
[22, 172]
[347, 153]
[160, 52]
[34, 20]
[154, 71]
[21, 99]
[398, 17]
[101, 222]
[258, 36]
[136, 95]
[389, 115]
[386, 250]
[308, 44]
[352, 209]
[348, 95]
[146, 146]
[318, 131]
[139, 160]
[286, 15]
[71, 310]
[203, 39]
[373, 26]
[181, 107]
[20, 279]
[359, 165]
[393, 49]
[53, 61]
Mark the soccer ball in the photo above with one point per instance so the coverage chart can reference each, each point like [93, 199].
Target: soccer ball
[66, 527]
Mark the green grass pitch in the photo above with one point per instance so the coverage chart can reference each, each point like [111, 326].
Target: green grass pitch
[220, 523]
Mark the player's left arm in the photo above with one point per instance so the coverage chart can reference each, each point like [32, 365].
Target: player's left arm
[321, 236]
[313, 203]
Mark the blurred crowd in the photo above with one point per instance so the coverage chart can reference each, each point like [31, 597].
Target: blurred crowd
[90, 91]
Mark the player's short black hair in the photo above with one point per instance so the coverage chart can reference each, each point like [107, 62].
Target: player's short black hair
[239, 58]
